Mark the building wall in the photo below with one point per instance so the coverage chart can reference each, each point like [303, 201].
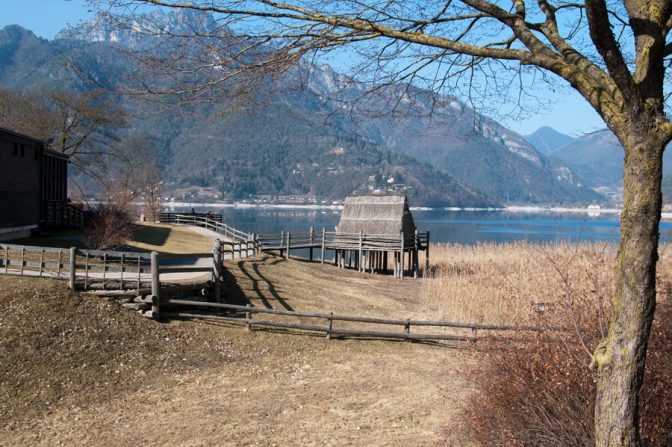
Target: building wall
[54, 178]
[20, 185]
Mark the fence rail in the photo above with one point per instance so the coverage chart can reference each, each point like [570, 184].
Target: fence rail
[330, 319]
[97, 269]
[64, 215]
[210, 221]
[116, 272]
[369, 251]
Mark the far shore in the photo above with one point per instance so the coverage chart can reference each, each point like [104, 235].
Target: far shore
[592, 212]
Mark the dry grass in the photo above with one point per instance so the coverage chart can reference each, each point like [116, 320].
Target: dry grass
[83, 371]
[502, 283]
[145, 237]
[167, 239]
[62, 352]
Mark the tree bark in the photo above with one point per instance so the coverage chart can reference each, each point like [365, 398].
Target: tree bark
[620, 358]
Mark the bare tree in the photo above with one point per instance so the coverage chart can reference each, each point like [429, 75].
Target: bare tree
[84, 126]
[151, 188]
[23, 114]
[614, 54]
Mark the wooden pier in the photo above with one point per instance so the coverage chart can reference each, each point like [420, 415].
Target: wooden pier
[373, 253]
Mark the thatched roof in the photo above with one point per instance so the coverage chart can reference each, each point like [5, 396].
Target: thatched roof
[376, 215]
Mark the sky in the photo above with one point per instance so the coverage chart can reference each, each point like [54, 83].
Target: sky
[569, 113]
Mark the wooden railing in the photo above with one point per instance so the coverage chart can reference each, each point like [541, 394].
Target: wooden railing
[243, 315]
[138, 275]
[210, 221]
[64, 215]
[333, 240]
[171, 217]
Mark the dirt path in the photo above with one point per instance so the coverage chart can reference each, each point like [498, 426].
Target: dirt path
[264, 388]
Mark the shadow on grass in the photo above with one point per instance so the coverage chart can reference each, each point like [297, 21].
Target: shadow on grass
[150, 235]
[232, 293]
[58, 239]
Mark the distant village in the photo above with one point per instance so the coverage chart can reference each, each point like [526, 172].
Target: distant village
[374, 185]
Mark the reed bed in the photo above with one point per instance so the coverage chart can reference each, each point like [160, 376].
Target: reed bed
[517, 283]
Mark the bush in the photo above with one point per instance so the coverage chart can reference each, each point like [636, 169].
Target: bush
[541, 393]
[110, 226]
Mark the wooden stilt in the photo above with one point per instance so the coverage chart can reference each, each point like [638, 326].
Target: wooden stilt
[361, 251]
[324, 236]
[427, 256]
[401, 267]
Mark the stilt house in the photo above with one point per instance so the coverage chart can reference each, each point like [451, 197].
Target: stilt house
[375, 227]
[379, 215]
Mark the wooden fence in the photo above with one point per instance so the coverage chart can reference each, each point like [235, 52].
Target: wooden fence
[172, 217]
[243, 315]
[211, 222]
[364, 252]
[138, 276]
[60, 214]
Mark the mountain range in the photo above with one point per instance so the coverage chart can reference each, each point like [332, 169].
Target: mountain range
[597, 157]
[300, 141]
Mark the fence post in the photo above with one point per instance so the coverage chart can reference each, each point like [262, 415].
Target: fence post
[330, 325]
[360, 263]
[312, 239]
[401, 255]
[217, 269]
[73, 267]
[416, 258]
[324, 236]
[248, 317]
[156, 287]
[289, 244]
[427, 256]
[282, 243]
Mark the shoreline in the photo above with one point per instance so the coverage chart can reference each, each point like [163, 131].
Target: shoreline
[591, 212]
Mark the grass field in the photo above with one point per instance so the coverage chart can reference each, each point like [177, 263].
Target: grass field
[146, 237]
[167, 239]
[83, 371]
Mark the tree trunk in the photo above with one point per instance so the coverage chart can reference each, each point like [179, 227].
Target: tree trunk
[620, 358]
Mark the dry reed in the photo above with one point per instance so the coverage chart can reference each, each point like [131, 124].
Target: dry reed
[519, 282]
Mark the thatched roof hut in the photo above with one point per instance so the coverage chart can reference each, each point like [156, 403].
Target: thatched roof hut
[380, 215]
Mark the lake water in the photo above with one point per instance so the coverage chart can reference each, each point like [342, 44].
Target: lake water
[464, 227]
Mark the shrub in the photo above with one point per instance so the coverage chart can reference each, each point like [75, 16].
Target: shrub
[541, 393]
[109, 227]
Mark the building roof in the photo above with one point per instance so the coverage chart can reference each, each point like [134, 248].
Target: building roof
[20, 135]
[36, 141]
[376, 215]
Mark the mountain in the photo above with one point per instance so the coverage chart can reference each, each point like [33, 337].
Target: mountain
[296, 141]
[546, 140]
[597, 157]
[454, 138]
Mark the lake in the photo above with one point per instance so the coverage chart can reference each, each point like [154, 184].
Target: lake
[464, 227]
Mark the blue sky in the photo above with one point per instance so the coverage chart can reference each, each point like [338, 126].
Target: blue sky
[569, 113]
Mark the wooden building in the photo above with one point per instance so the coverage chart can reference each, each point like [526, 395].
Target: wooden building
[384, 226]
[33, 187]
